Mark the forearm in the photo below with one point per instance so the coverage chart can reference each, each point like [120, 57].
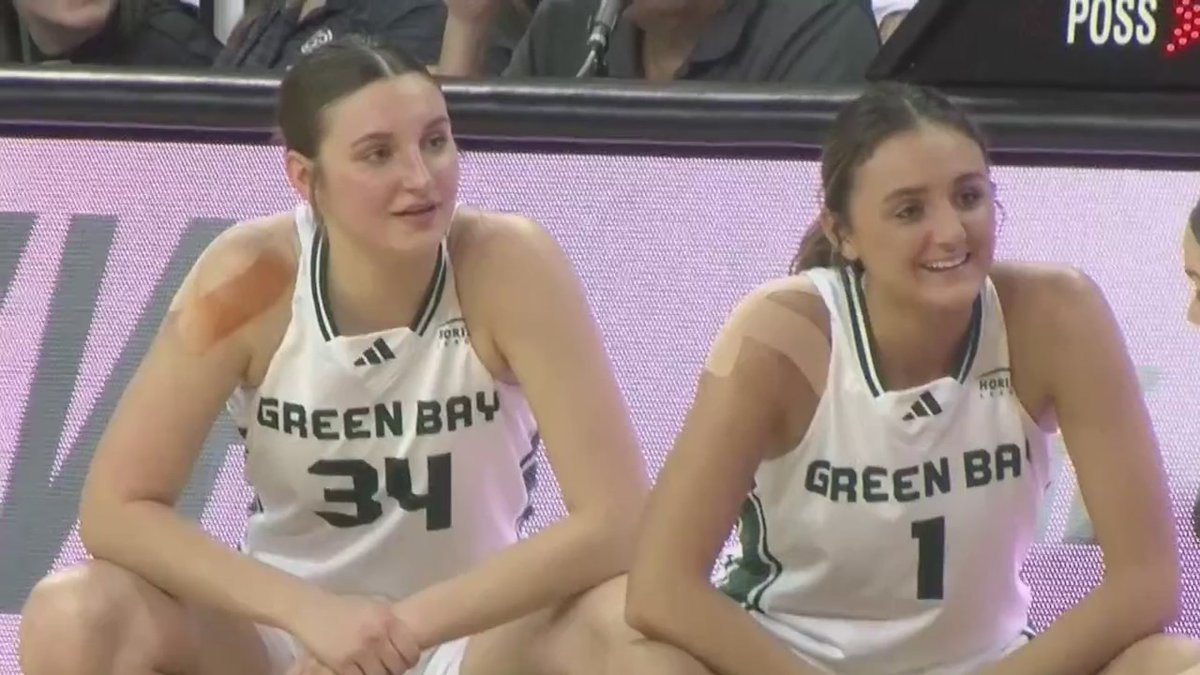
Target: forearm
[564, 560]
[463, 45]
[1116, 614]
[153, 541]
[710, 626]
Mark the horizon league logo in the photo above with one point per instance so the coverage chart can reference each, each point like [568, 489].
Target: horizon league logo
[37, 514]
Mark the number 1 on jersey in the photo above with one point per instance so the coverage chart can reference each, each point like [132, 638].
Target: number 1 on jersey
[931, 557]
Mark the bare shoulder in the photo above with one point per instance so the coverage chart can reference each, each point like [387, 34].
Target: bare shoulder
[245, 271]
[1046, 296]
[789, 304]
[505, 259]
[1050, 311]
[480, 236]
[780, 330]
[271, 239]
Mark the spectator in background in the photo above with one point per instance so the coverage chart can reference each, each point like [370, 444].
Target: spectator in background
[889, 14]
[810, 41]
[116, 32]
[10, 34]
[513, 18]
[273, 34]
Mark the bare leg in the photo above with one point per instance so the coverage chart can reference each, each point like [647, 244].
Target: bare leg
[644, 657]
[101, 619]
[587, 636]
[1158, 655]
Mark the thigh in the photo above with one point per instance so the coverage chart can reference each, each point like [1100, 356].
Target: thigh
[154, 630]
[585, 629]
[1159, 654]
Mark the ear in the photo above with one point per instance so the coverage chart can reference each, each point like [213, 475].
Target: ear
[839, 236]
[301, 173]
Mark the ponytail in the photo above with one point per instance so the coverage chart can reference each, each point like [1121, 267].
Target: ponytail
[816, 250]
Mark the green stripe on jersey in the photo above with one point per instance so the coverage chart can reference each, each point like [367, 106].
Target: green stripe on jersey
[754, 569]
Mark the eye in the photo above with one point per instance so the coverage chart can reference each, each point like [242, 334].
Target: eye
[909, 212]
[971, 198]
[437, 142]
[377, 155]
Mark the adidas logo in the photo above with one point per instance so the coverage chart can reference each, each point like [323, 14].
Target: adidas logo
[925, 406]
[376, 354]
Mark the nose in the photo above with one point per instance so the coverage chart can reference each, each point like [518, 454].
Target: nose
[413, 172]
[947, 228]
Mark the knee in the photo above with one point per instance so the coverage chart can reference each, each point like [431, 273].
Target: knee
[1159, 654]
[591, 629]
[73, 621]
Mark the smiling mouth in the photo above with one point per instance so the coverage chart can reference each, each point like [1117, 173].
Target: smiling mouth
[946, 265]
[417, 210]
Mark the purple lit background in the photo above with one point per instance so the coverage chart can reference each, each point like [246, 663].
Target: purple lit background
[664, 247]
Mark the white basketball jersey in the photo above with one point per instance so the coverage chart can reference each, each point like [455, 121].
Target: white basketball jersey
[891, 539]
[386, 462]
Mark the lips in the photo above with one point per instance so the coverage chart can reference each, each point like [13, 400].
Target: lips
[947, 264]
[418, 210]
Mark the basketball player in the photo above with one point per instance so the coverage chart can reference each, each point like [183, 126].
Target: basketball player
[876, 424]
[387, 356]
[1191, 262]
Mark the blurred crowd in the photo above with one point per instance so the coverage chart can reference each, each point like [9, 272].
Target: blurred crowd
[806, 41]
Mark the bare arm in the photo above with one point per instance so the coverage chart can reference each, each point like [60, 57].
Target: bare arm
[754, 401]
[1093, 389]
[465, 37]
[148, 450]
[539, 321]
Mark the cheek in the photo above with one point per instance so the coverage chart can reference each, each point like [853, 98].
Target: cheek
[362, 189]
[445, 173]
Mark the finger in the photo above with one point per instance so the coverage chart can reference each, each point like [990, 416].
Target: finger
[393, 660]
[404, 643]
[367, 664]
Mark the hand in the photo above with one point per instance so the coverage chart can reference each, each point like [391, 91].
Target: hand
[352, 635]
[473, 11]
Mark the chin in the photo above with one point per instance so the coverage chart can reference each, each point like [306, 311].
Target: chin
[955, 292]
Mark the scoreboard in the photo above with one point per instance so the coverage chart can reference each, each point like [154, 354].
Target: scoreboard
[1095, 45]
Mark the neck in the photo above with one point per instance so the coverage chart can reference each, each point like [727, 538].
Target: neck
[914, 345]
[672, 36]
[57, 30]
[371, 291]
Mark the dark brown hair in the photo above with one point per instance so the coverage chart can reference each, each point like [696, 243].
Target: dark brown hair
[882, 111]
[1194, 222]
[331, 73]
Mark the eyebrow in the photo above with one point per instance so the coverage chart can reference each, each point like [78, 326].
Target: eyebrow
[916, 190]
[368, 138]
[383, 135]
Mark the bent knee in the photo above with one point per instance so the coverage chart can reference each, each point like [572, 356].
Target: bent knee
[83, 616]
[601, 611]
[1157, 654]
[589, 628]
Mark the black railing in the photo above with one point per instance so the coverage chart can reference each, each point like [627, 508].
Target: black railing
[1024, 127]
